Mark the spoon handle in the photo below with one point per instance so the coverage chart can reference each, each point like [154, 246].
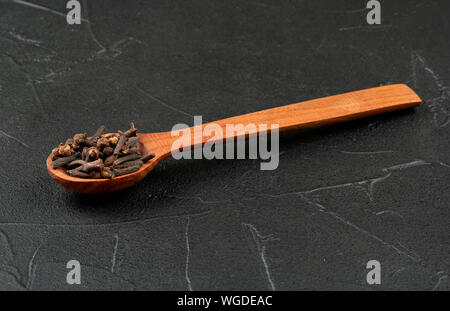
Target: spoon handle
[322, 111]
[311, 113]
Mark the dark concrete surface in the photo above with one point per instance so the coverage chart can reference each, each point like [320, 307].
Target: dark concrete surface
[376, 188]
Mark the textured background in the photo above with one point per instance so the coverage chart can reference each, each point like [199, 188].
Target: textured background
[377, 188]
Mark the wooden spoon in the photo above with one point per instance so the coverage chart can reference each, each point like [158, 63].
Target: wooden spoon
[317, 112]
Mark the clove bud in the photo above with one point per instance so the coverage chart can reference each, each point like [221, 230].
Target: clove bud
[147, 157]
[78, 173]
[89, 166]
[124, 171]
[107, 151]
[102, 143]
[75, 163]
[113, 141]
[124, 159]
[106, 172]
[129, 164]
[131, 132]
[110, 160]
[120, 144]
[93, 153]
[100, 131]
[64, 161]
[79, 138]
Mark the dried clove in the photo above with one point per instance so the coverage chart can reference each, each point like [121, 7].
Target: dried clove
[132, 141]
[102, 142]
[93, 153]
[78, 173]
[128, 150]
[106, 172]
[55, 153]
[79, 138]
[131, 132]
[89, 166]
[120, 144]
[100, 156]
[107, 151]
[124, 171]
[84, 155]
[108, 135]
[66, 160]
[113, 141]
[129, 163]
[110, 160]
[76, 163]
[147, 157]
[124, 159]
[100, 131]
[69, 141]
[90, 142]
[95, 174]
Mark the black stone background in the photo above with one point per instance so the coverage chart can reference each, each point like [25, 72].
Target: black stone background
[342, 195]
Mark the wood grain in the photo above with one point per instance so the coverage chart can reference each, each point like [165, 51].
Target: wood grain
[312, 113]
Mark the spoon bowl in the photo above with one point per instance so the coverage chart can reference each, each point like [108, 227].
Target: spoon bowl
[148, 142]
[312, 113]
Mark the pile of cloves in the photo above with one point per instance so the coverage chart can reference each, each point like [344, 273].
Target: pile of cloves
[101, 155]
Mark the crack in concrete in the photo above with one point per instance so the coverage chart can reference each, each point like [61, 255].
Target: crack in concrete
[131, 222]
[188, 251]
[260, 242]
[4, 134]
[32, 269]
[114, 256]
[437, 104]
[163, 103]
[369, 183]
[441, 276]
